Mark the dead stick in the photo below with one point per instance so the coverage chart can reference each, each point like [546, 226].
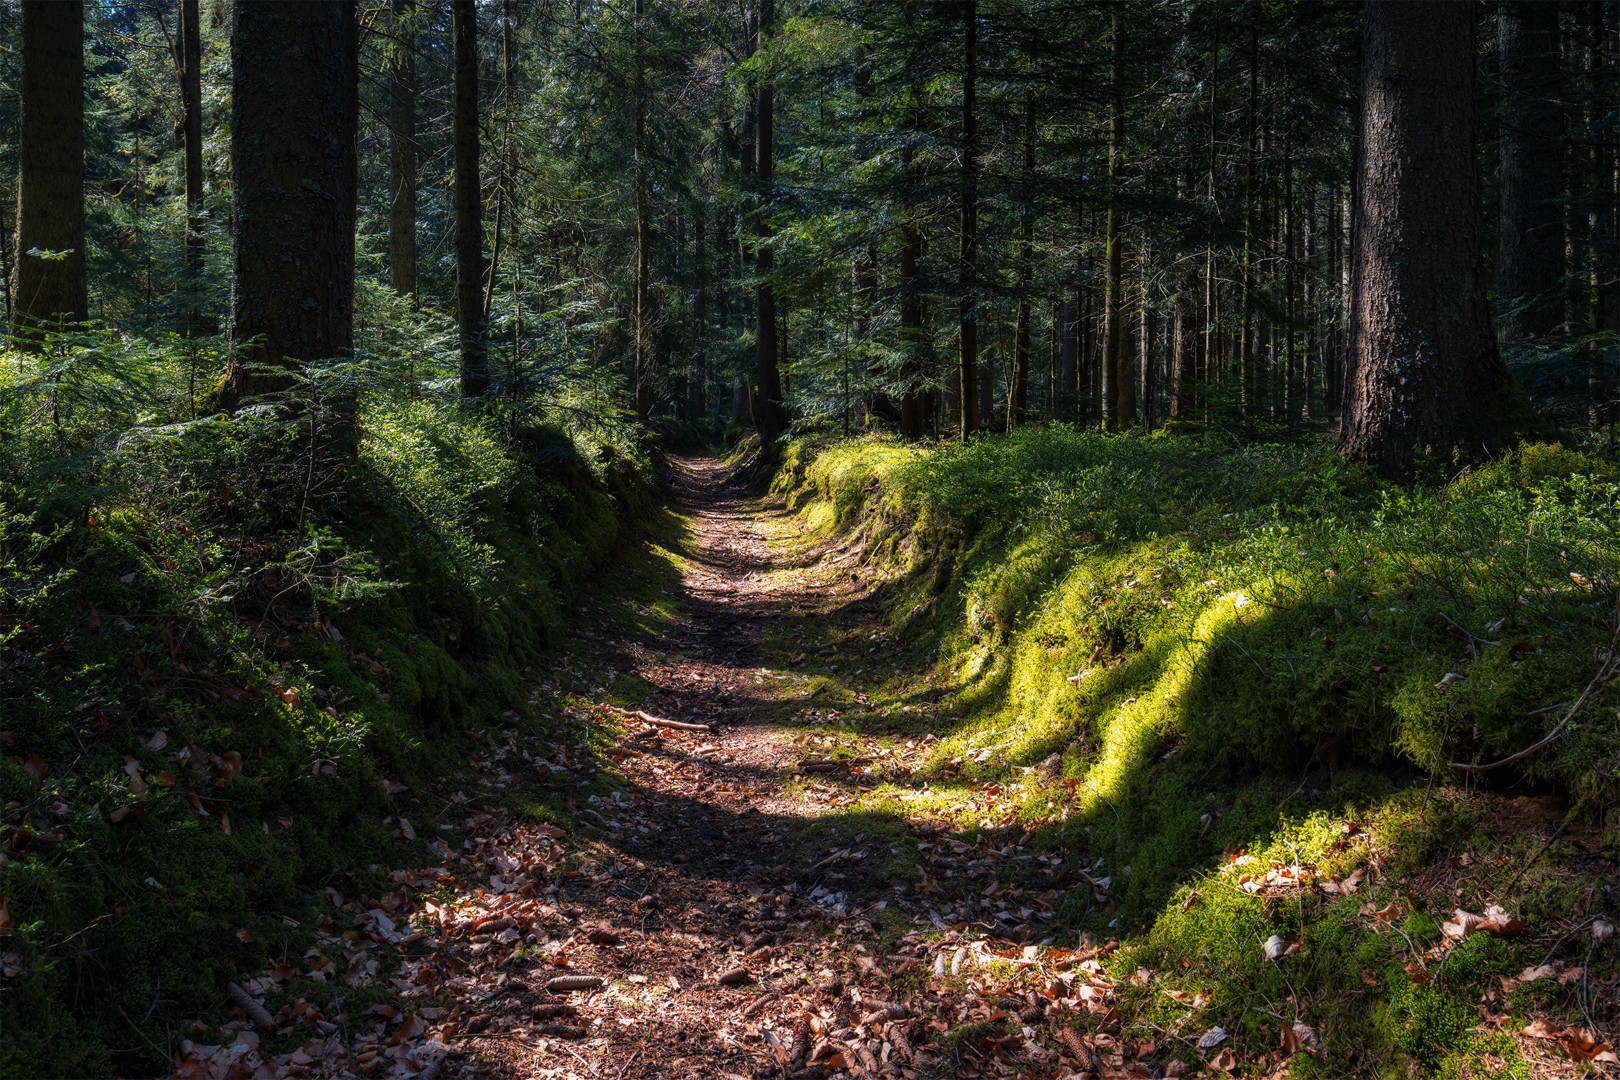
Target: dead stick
[658, 721]
[1603, 673]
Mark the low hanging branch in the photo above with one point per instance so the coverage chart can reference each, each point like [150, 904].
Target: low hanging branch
[658, 721]
[1610, 665]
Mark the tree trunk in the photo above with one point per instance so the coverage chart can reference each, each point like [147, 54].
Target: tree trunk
[402, 152]
[191, 108]
[1018, 395]
[475, 378]
[772, 418]
[1116, 389]
[1532, 235]
[50, 170]
[911, 322]
[968, 333]
[643, 328]
[1425, 377]
[294, 117]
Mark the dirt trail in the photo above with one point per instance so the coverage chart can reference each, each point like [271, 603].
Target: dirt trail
[760, 933]
[740, 913]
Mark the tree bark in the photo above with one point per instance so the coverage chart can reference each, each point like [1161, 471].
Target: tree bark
[402, 152]
[1425, 376]
[967, 317]
[475, 378]
[294, 119]
[50, 170]
[1532, 235]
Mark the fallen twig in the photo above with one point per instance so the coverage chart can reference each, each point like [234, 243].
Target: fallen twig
[658, 721]
[1604, 671]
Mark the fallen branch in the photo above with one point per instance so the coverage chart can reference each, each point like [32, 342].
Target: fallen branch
[1608, 668]
[256, 1013]
[832, 764]
[658, 721]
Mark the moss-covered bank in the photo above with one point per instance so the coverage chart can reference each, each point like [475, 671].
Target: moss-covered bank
[1191, 664]
[224, 660]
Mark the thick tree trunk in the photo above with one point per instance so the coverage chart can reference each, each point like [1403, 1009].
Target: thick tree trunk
[1532, 234]
[294, 118]
[475, 378]
[50, 169]
[1425, 378]
[967, 317]
[402, 152]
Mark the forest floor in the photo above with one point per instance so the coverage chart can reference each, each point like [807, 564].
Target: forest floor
[739, 903]
[756, 923]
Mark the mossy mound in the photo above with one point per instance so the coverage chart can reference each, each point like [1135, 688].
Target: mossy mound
[221, 657]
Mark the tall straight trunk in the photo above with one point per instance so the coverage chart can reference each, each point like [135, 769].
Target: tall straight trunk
[1531, 263]
[191, 108]
[475, 377]
[1116, 389]
[1425, 375]
[700, 316]
[1018, 395]
[1147, 357]
[968, 335]
[1247, 376]
[1307, 299]
[644, 315]
[1207, 347]
[1069, 366]
[911, 399]
[503, 179]
[294, 118]
[771, 416]
[50, 170]
[402, 152]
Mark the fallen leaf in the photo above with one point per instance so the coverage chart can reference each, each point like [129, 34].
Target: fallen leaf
[1212, 1038]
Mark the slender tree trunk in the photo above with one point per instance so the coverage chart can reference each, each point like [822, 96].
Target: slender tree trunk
[1018, 397]
[191, 108]
[644, 314]
[772, 418]
[1247, 376]
[1531, 263]
[911, 311]
[1207, 348]
[402, 153]
[968, 335]
[294, 119]
[475, 376]
[1425, 375]
[1148, 359]
[50, 170]
[1116, 388]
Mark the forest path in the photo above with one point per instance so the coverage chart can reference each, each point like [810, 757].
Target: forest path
[724, 875]
[759, 894]
[752, 908]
